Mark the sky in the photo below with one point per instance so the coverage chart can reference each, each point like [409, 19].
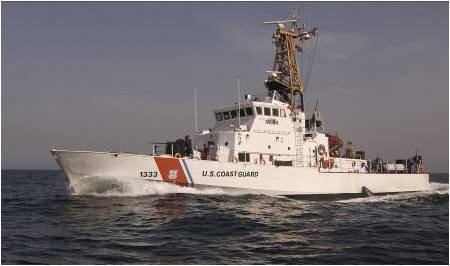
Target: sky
[115, 75]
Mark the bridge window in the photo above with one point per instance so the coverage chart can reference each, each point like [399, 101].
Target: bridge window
[242, 112]
[259, 110]
[282, 113]
[267, 111]
[243, 157]
[275, 112]
[249, 111]
[219, 116]
[233, 113]
[226, 115]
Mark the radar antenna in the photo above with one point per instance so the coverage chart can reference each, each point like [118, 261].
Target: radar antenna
[285, 76]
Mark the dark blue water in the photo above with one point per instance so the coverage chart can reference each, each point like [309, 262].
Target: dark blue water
[42, 223]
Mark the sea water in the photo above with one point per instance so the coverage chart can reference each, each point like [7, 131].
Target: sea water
[120, 222]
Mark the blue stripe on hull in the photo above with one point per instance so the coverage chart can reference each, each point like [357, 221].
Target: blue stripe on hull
[188, 172]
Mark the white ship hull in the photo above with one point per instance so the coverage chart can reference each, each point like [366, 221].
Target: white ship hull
[264, 179]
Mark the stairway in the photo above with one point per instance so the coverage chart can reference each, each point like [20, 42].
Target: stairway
[298, 134]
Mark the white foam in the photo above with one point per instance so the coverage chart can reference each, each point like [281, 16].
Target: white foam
[435, 189]
[123, 187]
[439, 187]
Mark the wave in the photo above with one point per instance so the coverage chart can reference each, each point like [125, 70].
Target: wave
[436, 191]
[118, 187]
[439, 187]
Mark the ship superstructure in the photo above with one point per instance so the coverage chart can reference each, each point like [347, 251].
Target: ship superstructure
[273, 129]
[262, 144]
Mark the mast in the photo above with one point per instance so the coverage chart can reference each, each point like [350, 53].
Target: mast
[285, 76]
[238, 90]
[195, 112]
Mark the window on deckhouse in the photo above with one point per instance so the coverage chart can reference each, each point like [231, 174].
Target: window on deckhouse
[249, 111]
[267, 111]
[275, 112]
[219, 116]
[259, 110]
[226, 115]
[233, 113]
[243, 157]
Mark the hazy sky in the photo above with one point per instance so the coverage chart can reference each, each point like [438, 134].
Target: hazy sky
[112, 76]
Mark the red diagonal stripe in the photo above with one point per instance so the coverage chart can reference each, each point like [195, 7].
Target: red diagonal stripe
[171, 170]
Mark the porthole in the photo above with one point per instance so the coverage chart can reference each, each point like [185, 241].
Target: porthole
[226, 143]
[289, 148]
[268, 146]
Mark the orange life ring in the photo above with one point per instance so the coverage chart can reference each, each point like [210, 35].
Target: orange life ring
[321, 150]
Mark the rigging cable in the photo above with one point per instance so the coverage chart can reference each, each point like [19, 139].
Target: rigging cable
[308, 64]
[315, 50]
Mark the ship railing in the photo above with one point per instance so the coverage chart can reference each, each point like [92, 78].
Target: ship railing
[275, 156]
[383, 167]
[379, 168]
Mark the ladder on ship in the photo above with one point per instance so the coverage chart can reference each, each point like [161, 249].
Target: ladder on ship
[298, 134]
